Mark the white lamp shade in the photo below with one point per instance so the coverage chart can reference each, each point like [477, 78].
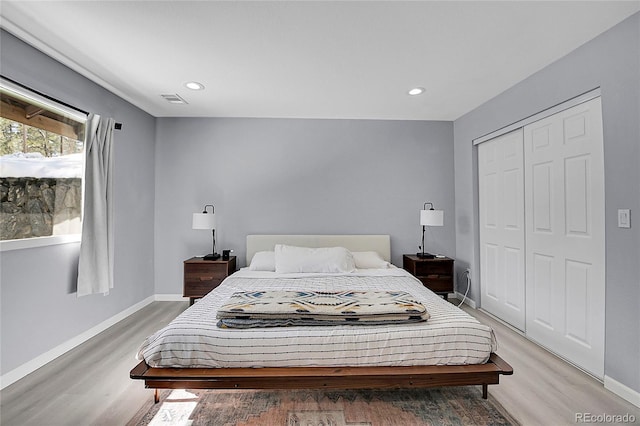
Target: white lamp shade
[204, 221]
[431, 217]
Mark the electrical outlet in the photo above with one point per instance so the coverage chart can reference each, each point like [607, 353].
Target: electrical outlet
[624, 218]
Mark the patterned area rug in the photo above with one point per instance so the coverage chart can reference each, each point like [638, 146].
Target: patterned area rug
[406, 407]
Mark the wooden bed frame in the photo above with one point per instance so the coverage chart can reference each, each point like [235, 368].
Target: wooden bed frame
[322, 377]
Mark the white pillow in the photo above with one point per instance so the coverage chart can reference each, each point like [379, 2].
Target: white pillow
[263, 261]
[304, 259]
[369, 260]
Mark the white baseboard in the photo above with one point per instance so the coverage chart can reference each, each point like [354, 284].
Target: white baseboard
[622, 391]
[170, 298]
[37, 362]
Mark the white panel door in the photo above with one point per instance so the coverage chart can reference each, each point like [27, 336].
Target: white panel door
[502, 254]
[564, 199]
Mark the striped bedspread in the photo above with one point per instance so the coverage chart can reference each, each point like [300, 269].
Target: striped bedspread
[193, 339]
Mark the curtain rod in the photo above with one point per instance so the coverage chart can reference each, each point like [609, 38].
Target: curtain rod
[118, 126]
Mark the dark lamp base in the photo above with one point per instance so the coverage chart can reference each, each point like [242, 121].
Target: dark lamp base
[425, 255]
[213, 256]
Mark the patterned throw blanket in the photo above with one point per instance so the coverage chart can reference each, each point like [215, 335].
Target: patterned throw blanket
[294, 308]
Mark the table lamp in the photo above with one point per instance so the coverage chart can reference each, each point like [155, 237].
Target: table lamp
[206, 220]
[430, 217]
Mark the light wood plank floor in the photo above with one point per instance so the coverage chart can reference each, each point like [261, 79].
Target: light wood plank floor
[544, 389]
[90, 385]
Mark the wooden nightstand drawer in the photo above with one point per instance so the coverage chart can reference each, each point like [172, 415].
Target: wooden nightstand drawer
[199, 289]
[201, 276]
[437, 285]
[435, 267]
[198, 273]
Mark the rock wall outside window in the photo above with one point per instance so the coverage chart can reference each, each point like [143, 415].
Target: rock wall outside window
[37, 207]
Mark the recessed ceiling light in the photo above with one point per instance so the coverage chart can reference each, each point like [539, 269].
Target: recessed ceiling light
[194, 85]
[416, 91]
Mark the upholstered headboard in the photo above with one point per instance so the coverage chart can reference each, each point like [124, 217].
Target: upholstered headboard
[379, 243]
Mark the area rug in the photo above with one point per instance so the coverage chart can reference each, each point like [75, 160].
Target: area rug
[442, 406]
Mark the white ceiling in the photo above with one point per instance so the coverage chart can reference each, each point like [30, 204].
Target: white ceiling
[307, 59]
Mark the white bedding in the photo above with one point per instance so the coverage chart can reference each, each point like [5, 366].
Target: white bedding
[449, 337]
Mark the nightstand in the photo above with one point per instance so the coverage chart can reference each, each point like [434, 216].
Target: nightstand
[201, 276]
[436, 274]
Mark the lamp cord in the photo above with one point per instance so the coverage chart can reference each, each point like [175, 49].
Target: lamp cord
[468, 273]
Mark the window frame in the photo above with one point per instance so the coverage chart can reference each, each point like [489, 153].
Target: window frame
[50, 240]
[19, 91]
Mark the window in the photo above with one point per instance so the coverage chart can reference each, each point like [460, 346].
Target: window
[41, 168]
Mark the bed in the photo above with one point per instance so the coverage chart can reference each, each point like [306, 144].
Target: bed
[451, 348]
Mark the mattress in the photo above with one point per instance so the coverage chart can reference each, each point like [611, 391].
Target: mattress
[193, 339]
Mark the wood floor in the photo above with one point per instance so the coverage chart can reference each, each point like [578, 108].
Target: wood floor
[78, 388]
[544, 390]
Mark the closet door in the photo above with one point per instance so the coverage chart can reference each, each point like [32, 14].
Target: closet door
[502, 253]
[565, 276]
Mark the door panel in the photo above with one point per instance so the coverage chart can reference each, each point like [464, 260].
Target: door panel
[542, 204]
[578, 308]
[541, 270]
[502, 274]
[564, 191]
[577, 171]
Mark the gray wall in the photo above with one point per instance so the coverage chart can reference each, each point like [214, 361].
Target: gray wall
[298, 176]
[39, 307]
[312, 176]
[612, 62]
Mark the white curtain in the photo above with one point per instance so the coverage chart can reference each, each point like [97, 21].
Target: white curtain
[95, 268]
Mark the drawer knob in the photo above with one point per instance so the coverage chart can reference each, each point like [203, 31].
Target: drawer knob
[206, 278]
